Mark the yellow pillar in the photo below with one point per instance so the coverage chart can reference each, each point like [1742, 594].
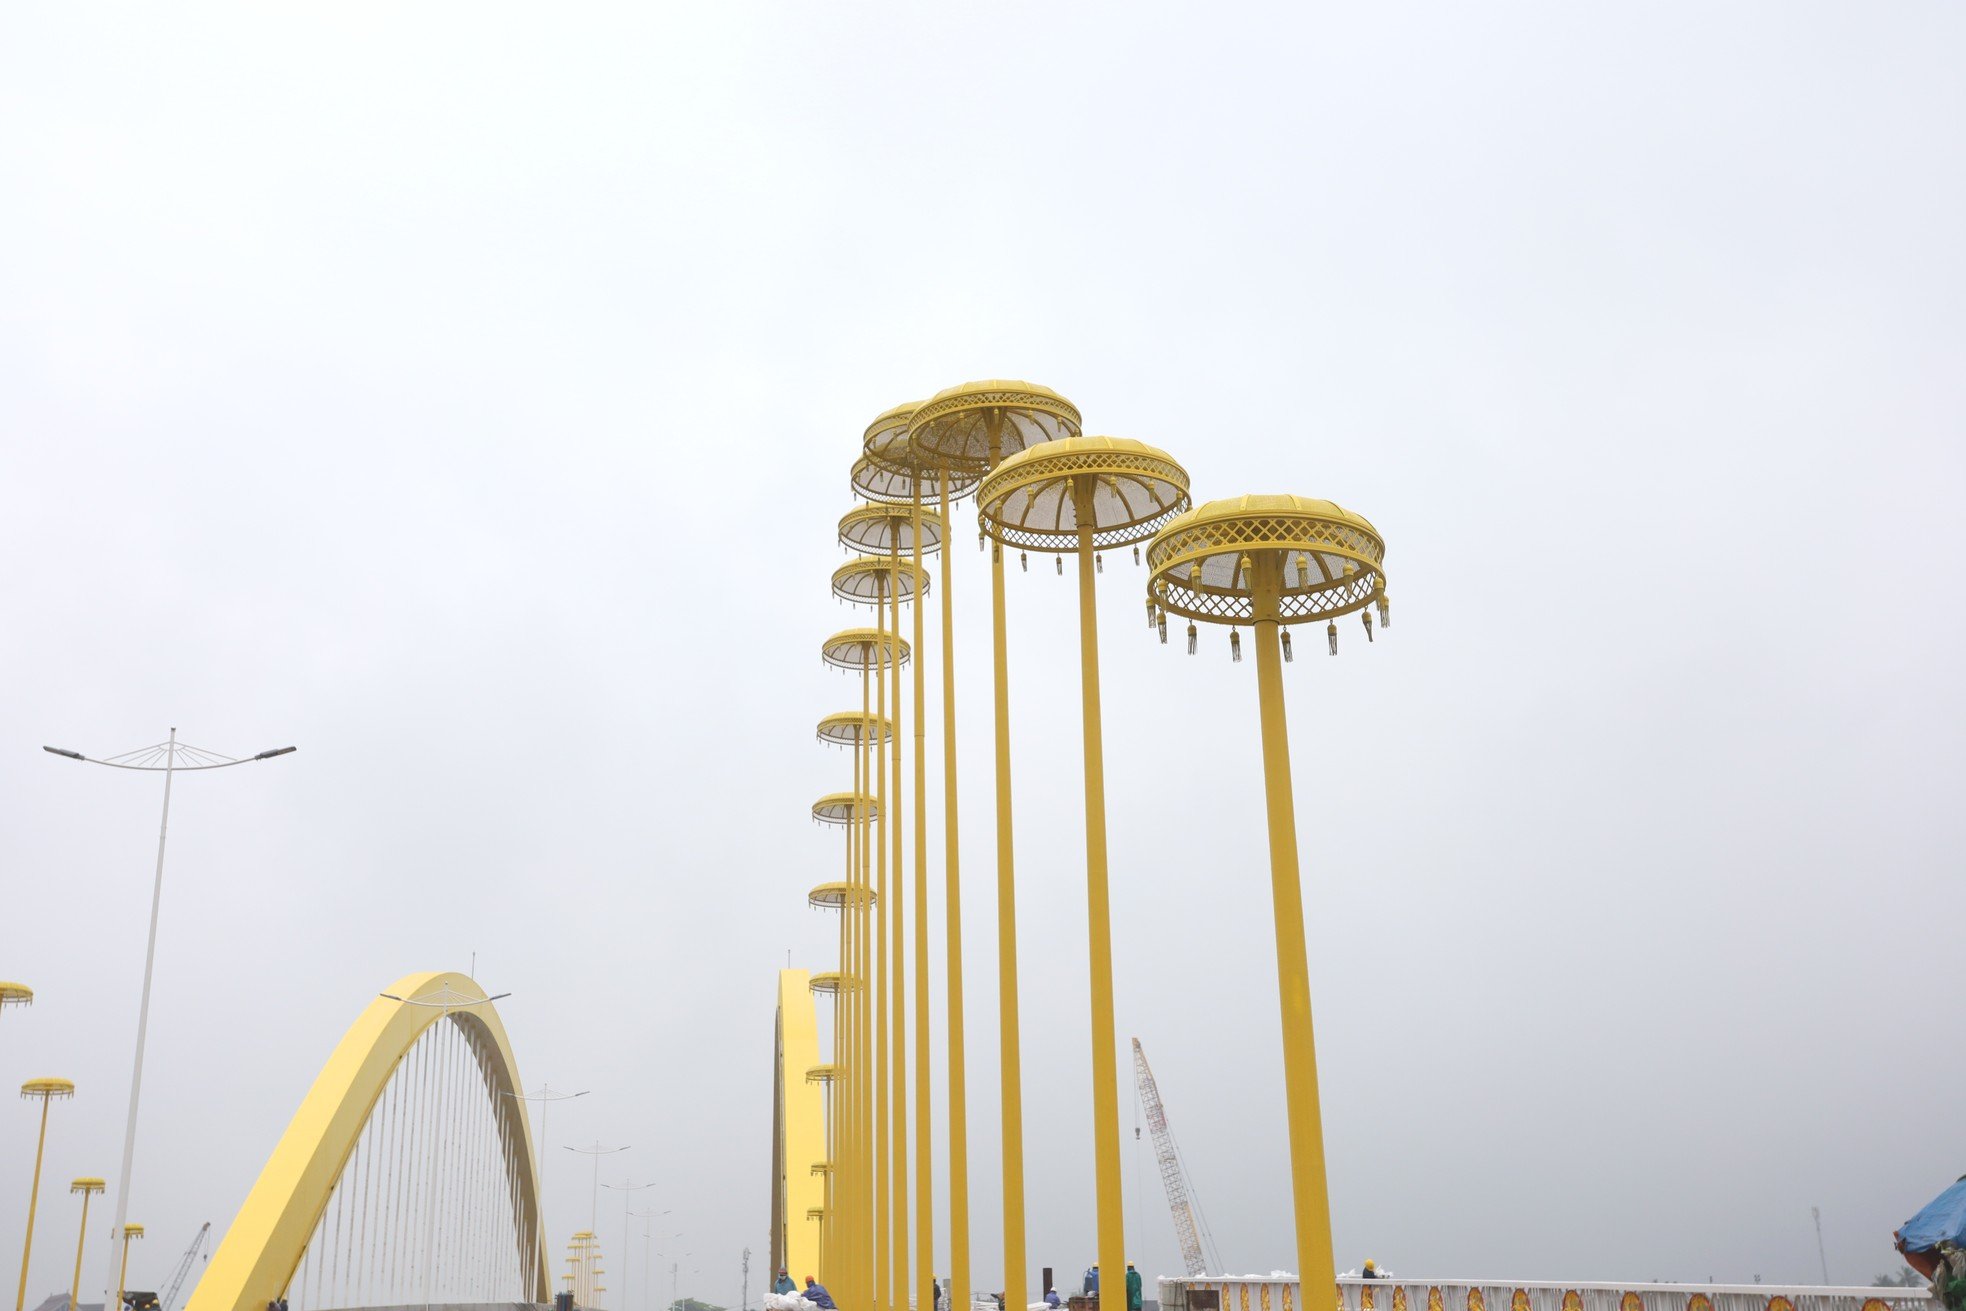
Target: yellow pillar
[33, 1201]
[883, 823]
[924, 1174]
[1315, 1265]
[1010, 1061]
[854, 1268]
[130, 1232]
[81, 1240]
[898, 1105]
[1099, 925]
[953, 920]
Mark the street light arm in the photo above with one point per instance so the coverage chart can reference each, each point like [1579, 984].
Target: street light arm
[276, 751]
[62, 751]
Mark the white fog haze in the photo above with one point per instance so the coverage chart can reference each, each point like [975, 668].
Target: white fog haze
[465, 395]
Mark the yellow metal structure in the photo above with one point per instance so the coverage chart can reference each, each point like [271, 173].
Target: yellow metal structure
[976, 426]
[1083, 494]
[131, 1233]
[800, 1141]
[1266, 561]
[257, 1258]
[43, 1091]
[15, 994]
[88, 1188]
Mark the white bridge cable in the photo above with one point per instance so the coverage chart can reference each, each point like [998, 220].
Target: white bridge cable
[430, 1203]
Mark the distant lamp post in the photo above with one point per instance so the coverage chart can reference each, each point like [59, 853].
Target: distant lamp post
[597, 1152]
[169, 758]
[1266, 561]
[1086, 495]
[628, 1189]
[545, 1097]
[88, 1188]
[44, 1091]
[131, 1233]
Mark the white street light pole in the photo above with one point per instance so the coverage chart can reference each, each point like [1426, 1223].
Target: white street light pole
[168, 758]
[627, 1190]
[597, 1152]
[545, 1097]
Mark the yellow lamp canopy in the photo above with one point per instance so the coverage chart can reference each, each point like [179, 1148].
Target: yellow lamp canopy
[832, 896]
[827, 981]
[1124, 490]
[47, 1089]
[860, 649]
[845, 807]
[893, 471]
[889, 530]
[961, 424]
[90, 1185]
[15, 994]
[851, 728]
[875, 580]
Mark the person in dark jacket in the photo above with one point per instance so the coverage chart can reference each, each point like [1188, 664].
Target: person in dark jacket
[1133, 1302]
[817, 1295]
[783, 1284]
[1091, 1286]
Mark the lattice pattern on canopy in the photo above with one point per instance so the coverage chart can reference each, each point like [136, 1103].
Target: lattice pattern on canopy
[860, 649]
[839, 807]
[874, 579]
[889, 530]
[832, 896]
[1329, 561]
[954, 424]
[892, 470]
[822, 1073]
[827, 981]
[847, 728]
[1034, 498]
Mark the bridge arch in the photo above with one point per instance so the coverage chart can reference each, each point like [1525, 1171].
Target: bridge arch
[257, 1260]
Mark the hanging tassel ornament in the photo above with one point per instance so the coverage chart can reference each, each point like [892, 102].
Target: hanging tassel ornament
[1024, 561]
[1059, 560]
[1136, 553]
[1161, 624]
[1099, 562]
[979, 539]
[1194, 577]
[1235, 647]
[1284, 636]
[1331, 635]
[1303, 570]
[1385, 610]
[1191, 639]
[1150, 612]
[1366, 615]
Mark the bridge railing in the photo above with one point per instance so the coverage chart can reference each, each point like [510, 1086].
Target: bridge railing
[1251, 1293]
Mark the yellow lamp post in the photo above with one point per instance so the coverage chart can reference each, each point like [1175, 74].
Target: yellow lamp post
[847, 810]
[88, 1188]
[1266, 561]
[43, 1091]
[1086, 495]
[845, 1234]
[882, 582]
[976, 426]
[895, 473]
[131, 1233]
[889, 529]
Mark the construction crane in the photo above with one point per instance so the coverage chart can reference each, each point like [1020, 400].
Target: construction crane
[169, 1300]
[1189, 1226]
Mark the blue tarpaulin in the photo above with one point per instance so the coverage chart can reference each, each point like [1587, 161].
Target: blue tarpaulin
[1944, 1217]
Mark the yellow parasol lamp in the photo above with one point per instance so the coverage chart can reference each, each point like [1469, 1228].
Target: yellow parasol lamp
[14, 994]
[1268, 561]
[1085, 495]
[88, 1188]
[894, 473]
[43, 1091]
[978, 425]
[131, 1233]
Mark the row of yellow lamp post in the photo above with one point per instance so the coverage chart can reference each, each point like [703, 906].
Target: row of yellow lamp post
[1258, 561]
[46, 1091]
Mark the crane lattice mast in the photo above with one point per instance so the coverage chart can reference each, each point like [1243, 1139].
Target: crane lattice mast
[1171, 1176]
[184, 1267]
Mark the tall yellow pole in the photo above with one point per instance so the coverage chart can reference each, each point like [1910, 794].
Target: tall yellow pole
[883, 823]
[33, 1201]
[898, 1192]
[1010, 1062]
[86, 1187]
[130, 1232]
[1309, 1197]
[924, 1174]
[1099, 925]
[953, 921]
[856, 1230]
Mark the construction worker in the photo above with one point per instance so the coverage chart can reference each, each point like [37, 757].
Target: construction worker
[1133, 1302]
[783, 1284]
[1371, 1271]
[1091, 1285]
[817, 1295]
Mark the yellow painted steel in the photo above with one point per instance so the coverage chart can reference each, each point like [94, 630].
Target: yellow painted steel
[878, 1070]
[46, 1090]
[924, 1156]
[130, 1234]
[258, 1256]
[953, 929]
[1083, 493]
[894, 972]
[801, 1130]
[88, 1188]
[1265, 561]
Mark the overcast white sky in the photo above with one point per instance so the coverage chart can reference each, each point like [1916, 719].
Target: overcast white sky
[465, 393]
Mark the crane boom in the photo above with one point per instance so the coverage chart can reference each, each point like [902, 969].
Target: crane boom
[184, 1267]
[1171, 1176]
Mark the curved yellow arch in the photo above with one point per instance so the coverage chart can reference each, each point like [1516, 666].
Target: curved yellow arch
[262, 1249]
[798, 1186]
